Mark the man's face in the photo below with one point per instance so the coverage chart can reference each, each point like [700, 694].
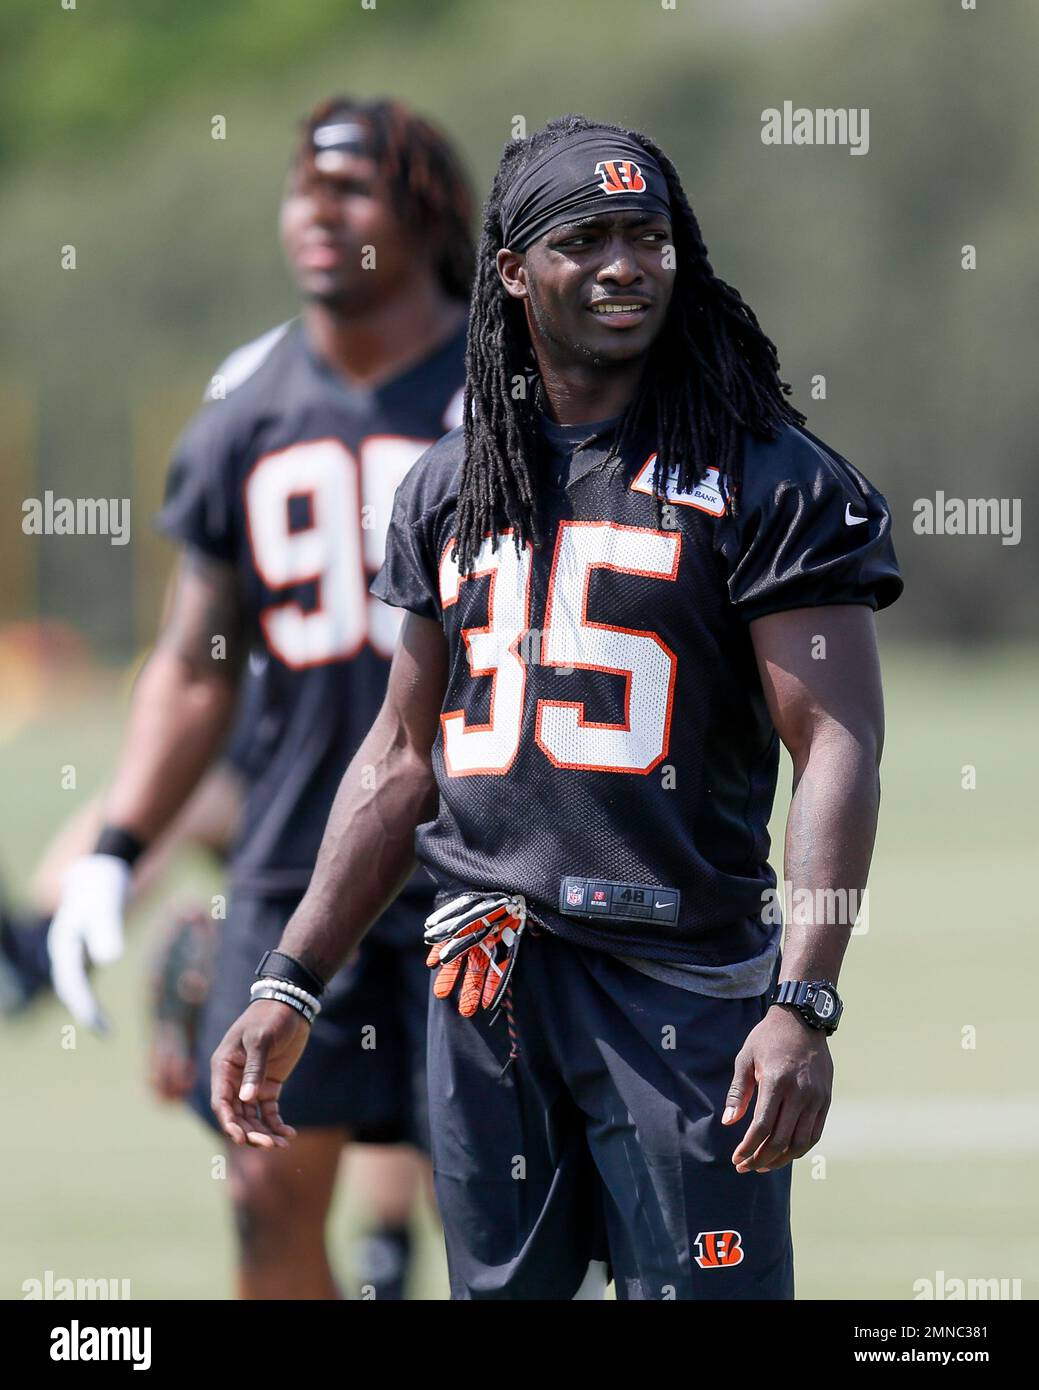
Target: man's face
[595, 291]
[329, 216]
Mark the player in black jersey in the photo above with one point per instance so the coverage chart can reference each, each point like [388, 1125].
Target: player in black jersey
[279, 496]
[630, 576]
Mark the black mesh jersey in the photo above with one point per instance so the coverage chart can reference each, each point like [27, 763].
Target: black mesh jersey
[290, 477]
[605, 747]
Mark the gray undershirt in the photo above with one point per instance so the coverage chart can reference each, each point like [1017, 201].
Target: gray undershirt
[744, 979]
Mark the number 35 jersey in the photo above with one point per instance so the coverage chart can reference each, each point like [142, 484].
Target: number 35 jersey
[605, 747]
[290, 478]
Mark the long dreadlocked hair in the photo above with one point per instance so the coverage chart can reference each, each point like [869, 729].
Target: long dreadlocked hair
[710, 374]
[428, 184]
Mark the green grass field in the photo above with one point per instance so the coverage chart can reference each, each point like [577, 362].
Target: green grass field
[931, 1146]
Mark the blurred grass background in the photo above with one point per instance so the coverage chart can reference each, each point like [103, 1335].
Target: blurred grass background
[928, 1163]
[853, 267]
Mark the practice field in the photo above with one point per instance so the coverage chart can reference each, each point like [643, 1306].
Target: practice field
[932, 1141]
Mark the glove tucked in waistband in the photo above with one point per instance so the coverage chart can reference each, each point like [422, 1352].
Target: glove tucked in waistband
[481, 931]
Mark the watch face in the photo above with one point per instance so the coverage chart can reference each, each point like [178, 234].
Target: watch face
[824, 1005]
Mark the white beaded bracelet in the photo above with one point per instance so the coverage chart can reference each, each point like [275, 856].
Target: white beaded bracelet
[297, 991]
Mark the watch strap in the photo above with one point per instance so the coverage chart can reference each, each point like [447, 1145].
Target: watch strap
[279, 966]
[791, 992]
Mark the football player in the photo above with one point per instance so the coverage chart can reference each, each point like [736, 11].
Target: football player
[629, 577]
[279, 496]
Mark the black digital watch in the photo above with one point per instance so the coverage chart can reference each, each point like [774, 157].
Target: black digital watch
[816, 1001]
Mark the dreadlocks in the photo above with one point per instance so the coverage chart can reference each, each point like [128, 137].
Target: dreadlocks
[710, 374]
[428, 185]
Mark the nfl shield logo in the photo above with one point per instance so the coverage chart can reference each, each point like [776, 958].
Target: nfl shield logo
[574, 895]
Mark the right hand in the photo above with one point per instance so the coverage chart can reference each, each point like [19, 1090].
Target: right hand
[87, 927]
[250, 1067]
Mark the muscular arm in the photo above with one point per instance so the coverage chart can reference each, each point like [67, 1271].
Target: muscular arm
[366, 856]
[183, 700]
[368, 850]
[828, 710]
[821, 678]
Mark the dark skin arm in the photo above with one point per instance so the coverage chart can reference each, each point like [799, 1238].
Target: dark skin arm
[183, 701]
[366, 856]
[829, 714]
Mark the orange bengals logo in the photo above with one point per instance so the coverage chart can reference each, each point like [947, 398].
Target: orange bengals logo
[620, 176]
[719, 1249]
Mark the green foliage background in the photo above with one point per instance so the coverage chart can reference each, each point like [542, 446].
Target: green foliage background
[852, 263]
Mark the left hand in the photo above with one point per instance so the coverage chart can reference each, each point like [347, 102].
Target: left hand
[87, 930]
[791, 1066]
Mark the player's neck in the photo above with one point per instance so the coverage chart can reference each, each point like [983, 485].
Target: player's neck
[578, 395]
[373, 347]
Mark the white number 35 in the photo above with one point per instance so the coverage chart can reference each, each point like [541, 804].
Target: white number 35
[563, 729]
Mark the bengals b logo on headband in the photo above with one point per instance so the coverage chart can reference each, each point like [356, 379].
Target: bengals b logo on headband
[620, 176]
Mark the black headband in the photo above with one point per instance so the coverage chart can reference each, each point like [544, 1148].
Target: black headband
[590, 171]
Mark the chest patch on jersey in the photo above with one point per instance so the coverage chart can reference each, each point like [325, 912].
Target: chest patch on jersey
[705, 496]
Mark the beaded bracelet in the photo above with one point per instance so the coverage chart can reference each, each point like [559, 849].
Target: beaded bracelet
[297, 991]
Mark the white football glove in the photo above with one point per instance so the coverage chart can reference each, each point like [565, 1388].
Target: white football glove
[88, 925]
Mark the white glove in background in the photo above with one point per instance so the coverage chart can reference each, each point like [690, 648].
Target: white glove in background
[88, 925]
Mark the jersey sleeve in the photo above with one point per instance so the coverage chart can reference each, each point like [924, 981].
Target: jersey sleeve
[810, 530]
[199, 505]
[408, 577]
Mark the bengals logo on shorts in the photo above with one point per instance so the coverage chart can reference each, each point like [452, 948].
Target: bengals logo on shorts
[719, 1249]
[620, 176]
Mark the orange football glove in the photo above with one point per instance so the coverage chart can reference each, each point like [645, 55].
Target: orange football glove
[480, 932]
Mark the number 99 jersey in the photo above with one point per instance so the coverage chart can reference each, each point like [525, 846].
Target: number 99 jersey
[605, 747]
[289, 475]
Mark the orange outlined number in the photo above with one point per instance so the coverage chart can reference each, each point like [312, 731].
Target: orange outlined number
[491, 651]
[341, 545]
[562, 728]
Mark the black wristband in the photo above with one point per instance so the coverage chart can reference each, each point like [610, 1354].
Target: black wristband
[119, 843]
[283, 967]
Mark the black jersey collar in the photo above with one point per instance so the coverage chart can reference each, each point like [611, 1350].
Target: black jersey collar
[597, 438]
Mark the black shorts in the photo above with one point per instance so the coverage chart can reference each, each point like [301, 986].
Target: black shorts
[364, 1065]
[602, 1141]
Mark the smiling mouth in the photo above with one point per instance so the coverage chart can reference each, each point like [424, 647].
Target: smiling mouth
[618, 308]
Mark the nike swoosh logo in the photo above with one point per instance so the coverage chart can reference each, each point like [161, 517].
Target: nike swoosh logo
[850, 520]
[656, 904]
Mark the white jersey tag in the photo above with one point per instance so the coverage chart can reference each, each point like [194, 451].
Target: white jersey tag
[705, 496]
